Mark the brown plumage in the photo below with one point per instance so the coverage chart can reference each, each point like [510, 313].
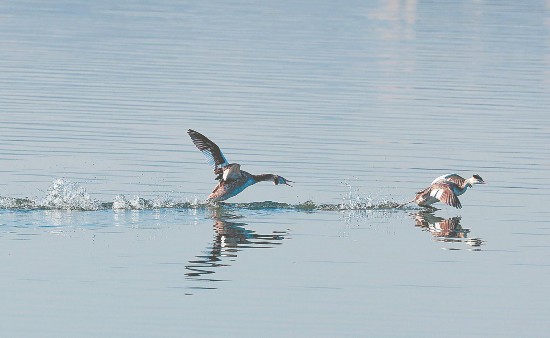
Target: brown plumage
[446, 189]
[232, 180]
[441, 191]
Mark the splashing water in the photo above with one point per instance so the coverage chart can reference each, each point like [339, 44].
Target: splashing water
[18, 203]
[139, 203]
[354, 201]
[66, 195]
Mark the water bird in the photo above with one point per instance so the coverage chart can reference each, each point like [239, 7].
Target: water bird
[232, 180]
[446, 189]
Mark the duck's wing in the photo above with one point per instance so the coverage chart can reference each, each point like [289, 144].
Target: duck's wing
[443, 192]
[209, 149]
[423, 191]
[454, 178]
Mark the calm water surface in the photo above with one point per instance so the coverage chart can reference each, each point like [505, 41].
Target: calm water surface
[102, 232]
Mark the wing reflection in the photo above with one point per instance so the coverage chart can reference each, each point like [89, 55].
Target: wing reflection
[445, 229]
[230, 237]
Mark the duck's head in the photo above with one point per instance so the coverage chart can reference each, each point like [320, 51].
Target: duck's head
[476, 179]
[280, 180]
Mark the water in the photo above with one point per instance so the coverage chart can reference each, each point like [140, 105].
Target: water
[102, 227]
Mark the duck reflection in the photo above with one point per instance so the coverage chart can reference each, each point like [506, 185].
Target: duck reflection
[445, 229]
[230, 237]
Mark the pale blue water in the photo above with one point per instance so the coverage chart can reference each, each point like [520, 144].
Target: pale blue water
[102, 229]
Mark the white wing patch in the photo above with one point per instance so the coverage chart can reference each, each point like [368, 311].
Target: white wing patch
[437, 193]
[453, 178]
[440, 178]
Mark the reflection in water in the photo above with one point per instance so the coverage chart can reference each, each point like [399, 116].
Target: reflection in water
[445, 230]
[230, 237]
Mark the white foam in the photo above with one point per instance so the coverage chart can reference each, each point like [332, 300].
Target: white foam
[64, 194]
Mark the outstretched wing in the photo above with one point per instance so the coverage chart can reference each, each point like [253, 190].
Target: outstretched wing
[454, 178]
[443, 192]
[209, 149]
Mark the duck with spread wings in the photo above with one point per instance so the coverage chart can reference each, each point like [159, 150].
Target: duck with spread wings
[232, 180]
[446, 189]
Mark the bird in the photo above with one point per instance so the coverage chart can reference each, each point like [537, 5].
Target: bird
[232, 180]
[446, 189]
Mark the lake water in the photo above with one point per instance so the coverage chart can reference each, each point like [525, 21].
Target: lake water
[102, 228]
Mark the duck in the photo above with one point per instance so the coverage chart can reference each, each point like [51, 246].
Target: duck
[446, 189]
[231, 179]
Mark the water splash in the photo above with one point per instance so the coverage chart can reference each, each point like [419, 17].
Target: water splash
[353, 200]
[18, 203]
[66, 195]
[139, 203]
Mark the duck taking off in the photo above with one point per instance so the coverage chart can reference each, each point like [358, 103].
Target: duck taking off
[232, 180]
[446, 189]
